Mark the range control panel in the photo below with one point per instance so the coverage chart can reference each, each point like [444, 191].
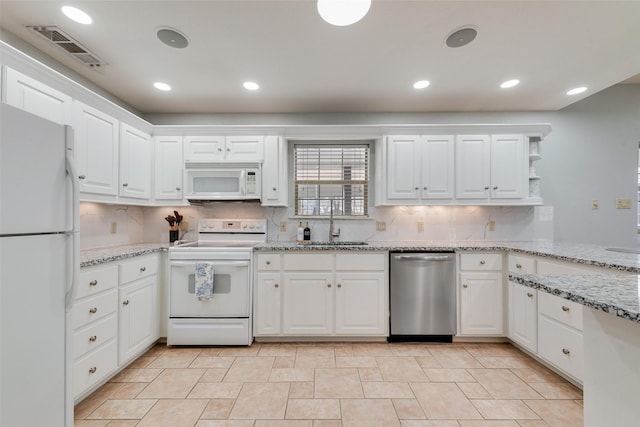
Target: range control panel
[212, 225]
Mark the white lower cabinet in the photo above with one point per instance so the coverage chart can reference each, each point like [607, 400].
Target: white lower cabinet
[320, 294]
[523, 316]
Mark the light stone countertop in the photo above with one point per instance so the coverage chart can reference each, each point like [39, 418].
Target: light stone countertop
[89, 257]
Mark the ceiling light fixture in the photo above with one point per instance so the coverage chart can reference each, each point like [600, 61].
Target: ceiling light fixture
[343, 12]
[162, 86]
[510, 83]
[421, 84]
[576, 90]
[76, 15]
[461, 37]
[172, 37]
[251, 85]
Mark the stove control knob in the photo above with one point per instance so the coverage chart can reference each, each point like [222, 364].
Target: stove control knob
[252, 227]
[244, 226]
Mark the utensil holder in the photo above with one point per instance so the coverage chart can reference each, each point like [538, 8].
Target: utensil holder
[173, 234]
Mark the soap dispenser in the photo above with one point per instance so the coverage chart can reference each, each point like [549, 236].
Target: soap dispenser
[300, 233]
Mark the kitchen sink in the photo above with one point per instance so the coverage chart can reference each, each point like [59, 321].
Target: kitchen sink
[624, 250]
[340, 243]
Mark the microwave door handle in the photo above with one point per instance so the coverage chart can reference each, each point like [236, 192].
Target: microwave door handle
[243, 183]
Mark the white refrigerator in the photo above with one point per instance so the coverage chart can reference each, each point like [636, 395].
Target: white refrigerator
[39, 256]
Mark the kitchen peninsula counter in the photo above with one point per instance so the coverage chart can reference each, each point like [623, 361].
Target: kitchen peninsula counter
[96, 256]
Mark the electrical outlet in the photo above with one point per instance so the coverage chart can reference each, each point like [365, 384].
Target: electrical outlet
[381, 226]
[283, 226]
[595, 204]
[420, 226]
[114, 227]
[491, 226]
[623, 203]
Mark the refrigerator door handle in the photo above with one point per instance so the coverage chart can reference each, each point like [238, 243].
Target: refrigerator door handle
[74, 233]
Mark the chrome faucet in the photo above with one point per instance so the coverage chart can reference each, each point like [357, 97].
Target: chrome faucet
[332, 233]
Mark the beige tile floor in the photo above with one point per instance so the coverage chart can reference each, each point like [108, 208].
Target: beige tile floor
[334, 385]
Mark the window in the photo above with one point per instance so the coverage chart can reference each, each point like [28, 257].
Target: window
[331, 177]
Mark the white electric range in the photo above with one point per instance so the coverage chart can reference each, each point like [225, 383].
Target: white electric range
[225, 319]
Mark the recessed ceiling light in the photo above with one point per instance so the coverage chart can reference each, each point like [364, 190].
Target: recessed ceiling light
[461, 37]
[510, 83]
[421, 84]
[251, 85]
[343, 12]
[76, 15]
[172, 37]
[576, 90]
[162, 86]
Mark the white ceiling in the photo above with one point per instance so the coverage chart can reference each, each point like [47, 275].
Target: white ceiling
[306, 65]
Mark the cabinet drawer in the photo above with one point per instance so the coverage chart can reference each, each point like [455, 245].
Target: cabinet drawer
[308, 262]
[481, 261]
[94, 335]
[137, 268]
[269, 262]
[522, 265]
[97, 279]
[366, 262]
[95, 366]
[561, 346]
[560, 309]
[94, 308]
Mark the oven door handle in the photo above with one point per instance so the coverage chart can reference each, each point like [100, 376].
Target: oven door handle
[220, 263]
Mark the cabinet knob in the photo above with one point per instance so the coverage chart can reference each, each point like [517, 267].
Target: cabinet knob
[565, 308]
[276, 285]
[425, 188]
[228, 149]
[177, 188]
[328, 285]
[486, 188]
[274, 189]
[82, 176]
[143, 268]
[93, 338]
[268, 263]
[518, 266]
[93, 370]
[565, 351]
[124, 184]
[125, 302]
[465, 286]
[495, 188]
[529, 294]
[482, 262]
[339, 285]
[93, 283]
[93, 310]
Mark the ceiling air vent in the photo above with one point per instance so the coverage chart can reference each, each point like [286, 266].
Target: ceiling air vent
[71, 46]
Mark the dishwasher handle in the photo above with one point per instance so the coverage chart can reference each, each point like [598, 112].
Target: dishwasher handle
[423, 257]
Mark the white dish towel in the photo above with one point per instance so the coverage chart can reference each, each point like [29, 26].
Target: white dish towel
[204, 281]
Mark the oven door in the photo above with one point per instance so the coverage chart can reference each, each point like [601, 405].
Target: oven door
[230, 290]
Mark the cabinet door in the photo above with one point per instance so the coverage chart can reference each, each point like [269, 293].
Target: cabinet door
[481, 308]
[137, 321]
[361, 307]
[507, 166]
[30, 95]
[523, 316]
[437, 167]
[274, 172]
[403, 167]
[244, 148]
[135, 163]
[204, 148]
[307, 304]
[472, 166]
[167, 177]
[96, 150]
[266, 308]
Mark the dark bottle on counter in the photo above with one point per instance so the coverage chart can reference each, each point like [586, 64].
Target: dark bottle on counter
[307, 232]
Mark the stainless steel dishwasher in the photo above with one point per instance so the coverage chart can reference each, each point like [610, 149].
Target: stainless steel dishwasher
[422, 296]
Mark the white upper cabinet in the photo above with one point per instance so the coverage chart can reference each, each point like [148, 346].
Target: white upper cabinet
[30, 95]
[490, 167]
[274, 172]
[135, 163]
[223, 149]
[419, 167]
[168, 166]
[96, 150]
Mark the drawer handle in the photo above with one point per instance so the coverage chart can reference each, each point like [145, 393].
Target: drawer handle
[339, 285]
[416, 188]
[465, 286]
[93, 283]
[82, 176]
[529, 294]
[143, 268]
[124, 184]
[328, 285]
[93, 338]
[93, 310]
[268, 263]
[495, 188]
[518, 266]
[93, 370]
[482, 262]
[565, 308]
[276, 285]
[565, 351]
[125, 302]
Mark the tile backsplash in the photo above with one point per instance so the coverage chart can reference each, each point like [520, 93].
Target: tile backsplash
[134, 224]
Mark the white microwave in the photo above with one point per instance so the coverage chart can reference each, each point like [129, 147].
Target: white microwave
[214, 181]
